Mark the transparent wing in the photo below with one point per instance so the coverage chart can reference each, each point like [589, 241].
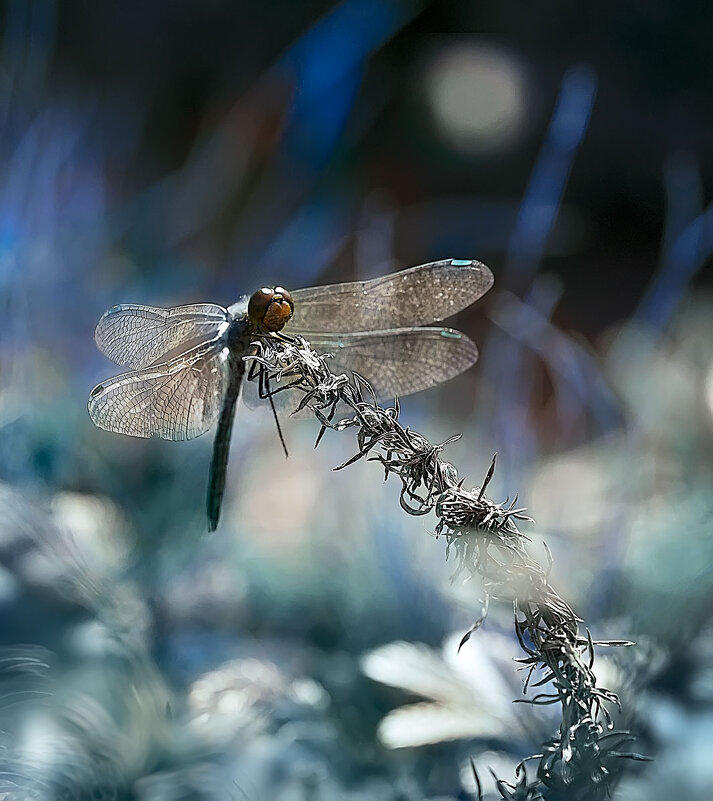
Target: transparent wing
[413, 297]
[401, 361]
[136, 336]
[180, 399]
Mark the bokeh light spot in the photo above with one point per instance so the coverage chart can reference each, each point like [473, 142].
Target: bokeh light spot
[477, 95]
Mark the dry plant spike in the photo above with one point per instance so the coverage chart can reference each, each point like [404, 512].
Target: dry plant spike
[485, 538]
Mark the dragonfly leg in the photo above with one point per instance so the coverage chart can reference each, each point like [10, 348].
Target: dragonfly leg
[264, 391]
[253, 370]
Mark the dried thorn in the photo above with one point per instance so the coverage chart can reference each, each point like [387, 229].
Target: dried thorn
[354, 459]
[630, 755]
[530, 671]
[550, 676]
[366, 386]
[359, 385]
[503, 787]
[473, 628]
[538, 700]
[613, 643]
[477, 780]
[488, 477]
[590, 648]
[322, 429]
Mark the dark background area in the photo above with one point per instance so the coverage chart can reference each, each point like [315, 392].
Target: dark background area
[193, 63]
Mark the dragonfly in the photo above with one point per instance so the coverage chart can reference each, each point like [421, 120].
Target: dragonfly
[187, 363]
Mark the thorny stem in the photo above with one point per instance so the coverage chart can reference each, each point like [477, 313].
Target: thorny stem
[580, 760]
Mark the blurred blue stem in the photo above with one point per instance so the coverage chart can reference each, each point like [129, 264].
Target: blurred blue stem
[687, 245]
[506, 363]
[543, 197]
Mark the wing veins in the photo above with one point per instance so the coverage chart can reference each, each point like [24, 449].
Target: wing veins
[414, 297]
[400, 361]
[174, 400]
[138, 336]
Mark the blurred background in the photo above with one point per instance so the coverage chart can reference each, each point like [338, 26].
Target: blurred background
[167, 153]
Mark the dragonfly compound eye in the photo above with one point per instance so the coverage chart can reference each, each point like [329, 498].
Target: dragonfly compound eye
[270, 308]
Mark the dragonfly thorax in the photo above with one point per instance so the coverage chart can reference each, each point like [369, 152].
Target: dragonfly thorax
[238, 333]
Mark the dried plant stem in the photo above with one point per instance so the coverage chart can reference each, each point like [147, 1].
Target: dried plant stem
[581, 759]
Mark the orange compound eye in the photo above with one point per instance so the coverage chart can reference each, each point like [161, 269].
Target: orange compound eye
[258, 304]
[270, 308]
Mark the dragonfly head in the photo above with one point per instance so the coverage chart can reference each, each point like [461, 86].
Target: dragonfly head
[270, 308]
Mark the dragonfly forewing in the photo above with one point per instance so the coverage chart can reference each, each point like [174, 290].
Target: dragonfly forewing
[136, 336]
[177, 400]
[414, 297]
